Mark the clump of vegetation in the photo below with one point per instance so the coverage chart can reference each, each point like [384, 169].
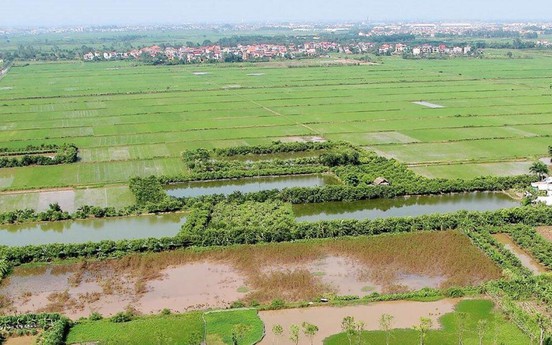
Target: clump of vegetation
[38, 155]
[230, 222]
[151, 196]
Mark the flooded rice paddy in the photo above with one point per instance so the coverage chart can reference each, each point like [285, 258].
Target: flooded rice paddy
[328, 319]
[192, 279]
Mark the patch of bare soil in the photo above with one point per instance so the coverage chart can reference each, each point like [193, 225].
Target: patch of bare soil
[25, 340]
[197, 285]
[546, 232]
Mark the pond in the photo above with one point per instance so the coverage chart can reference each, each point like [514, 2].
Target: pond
[248, 185]
[95, 230]
[403, 206]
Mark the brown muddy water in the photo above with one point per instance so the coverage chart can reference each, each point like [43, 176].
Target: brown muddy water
[328, 319]
[192, 279]
[526, 259]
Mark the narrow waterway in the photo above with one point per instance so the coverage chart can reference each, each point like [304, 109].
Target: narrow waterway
[247, 185]
[403, 206]
[94, 230]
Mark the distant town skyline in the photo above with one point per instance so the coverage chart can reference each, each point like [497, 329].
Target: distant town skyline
[133, 12]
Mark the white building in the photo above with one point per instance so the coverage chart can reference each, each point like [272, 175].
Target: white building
[543, 185]
[547, 200]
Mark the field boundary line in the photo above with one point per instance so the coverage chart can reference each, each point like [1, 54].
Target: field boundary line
[273, 111]
[284, 116]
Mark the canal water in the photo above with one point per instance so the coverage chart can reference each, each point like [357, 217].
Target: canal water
[403, 206]
[526, 259]
[95, 230]
[248, 185]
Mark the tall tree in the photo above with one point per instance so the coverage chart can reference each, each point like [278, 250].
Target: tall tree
[278, 330]
[461, 324]
[423, 328]
[385, 325]
[310, 331]
[482, 327]
[542, 322]
[294, 334]
[348, 326]
[539, 168]
[239, 332]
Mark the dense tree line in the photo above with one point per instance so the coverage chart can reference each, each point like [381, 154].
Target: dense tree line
[274, 147]
[64, 154]
[55, 213]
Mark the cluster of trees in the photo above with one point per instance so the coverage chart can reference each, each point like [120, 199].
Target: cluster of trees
[15, 256]
[308, 329]
[53, 213]
[257, 222]
[31, 155]
[300, 195]
[150, 195]
[274, 147]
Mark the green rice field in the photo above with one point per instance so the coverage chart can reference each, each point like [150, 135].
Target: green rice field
[135, 120]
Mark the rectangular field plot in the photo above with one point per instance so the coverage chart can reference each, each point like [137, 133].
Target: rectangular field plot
[374, 138]
[490, 149]
[454, 134]
[68, 199]
[89, 174]
[470, 170]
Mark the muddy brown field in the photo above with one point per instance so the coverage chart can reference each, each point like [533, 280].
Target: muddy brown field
[328, 319]
[214, 278]
[546, 232]
[25, 340]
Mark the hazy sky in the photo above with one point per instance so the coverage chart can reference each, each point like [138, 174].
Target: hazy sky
[100, 12]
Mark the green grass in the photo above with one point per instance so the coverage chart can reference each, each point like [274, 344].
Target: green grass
[221, 324]
[134, 120]
[505, 332]
[173, 329]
